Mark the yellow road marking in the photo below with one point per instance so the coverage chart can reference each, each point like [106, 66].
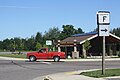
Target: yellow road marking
[70, 73]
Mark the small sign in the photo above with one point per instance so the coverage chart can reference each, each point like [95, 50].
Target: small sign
[103, 18]
[103, 30]
[48, 42]
[103, 23]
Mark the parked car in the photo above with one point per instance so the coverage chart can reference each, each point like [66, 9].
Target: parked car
[45, 54]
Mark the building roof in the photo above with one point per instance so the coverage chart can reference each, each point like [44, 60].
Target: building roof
[84, 34]
[81, 38]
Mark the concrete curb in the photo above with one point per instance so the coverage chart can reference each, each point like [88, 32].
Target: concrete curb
[9, 58]
[65, 60]
[73, 76]
[108, 59]
[69, 76]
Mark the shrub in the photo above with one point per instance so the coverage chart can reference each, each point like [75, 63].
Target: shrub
[119, 55]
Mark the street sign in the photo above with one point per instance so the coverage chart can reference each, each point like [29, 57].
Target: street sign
[103, 30]
[48, 42]
[103, 26]
[103, 18]
[103, 23]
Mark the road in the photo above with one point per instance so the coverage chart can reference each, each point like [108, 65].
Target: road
[24, 70]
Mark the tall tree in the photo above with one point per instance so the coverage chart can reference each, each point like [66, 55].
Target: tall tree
[1, 46]
[69, 30]
[38, 46]
[95, 30]
[6, 44]
[30, 43]
[87, 46]
[17, 43]
[53, 33]
[38, 38]
[79, 31]
[116, 31]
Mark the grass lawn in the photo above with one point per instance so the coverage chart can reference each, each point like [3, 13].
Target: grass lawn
[14, 55]
[98, 73]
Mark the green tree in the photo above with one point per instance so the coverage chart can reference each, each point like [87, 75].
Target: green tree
[38, 38]
[33, 42]
[79, 31]
[1, 46]
[69, 30]
[6, 44]
[87, 46]
[18, 43]
[95, 30]
[53, 33]
[30, 43]
[12, 47]
[38, 46]
[21, 47]
[116, 31]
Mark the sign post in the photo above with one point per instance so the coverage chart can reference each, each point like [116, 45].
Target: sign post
[103, 57]
[103, 26]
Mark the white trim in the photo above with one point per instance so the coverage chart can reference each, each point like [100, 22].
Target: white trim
[89, 38]
[97, 35]
[114, 36]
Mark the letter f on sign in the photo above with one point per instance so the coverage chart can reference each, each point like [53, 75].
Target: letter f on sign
[104, 18]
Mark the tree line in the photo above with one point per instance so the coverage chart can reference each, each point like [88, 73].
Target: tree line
[35, 42]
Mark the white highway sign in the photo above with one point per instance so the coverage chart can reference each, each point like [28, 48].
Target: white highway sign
[103, 23]
[103, 17]
[103, 30]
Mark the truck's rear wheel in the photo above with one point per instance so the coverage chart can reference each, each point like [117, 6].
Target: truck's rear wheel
[56, 59]
[32, 58]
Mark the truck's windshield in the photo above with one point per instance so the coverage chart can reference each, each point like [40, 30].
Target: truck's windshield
[42, 51]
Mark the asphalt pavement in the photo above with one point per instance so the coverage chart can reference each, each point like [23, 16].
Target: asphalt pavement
[74, 75]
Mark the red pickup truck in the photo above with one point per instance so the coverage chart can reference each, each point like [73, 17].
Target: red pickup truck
[45, 54]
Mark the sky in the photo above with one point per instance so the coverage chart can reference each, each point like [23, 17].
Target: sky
[24, 18]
